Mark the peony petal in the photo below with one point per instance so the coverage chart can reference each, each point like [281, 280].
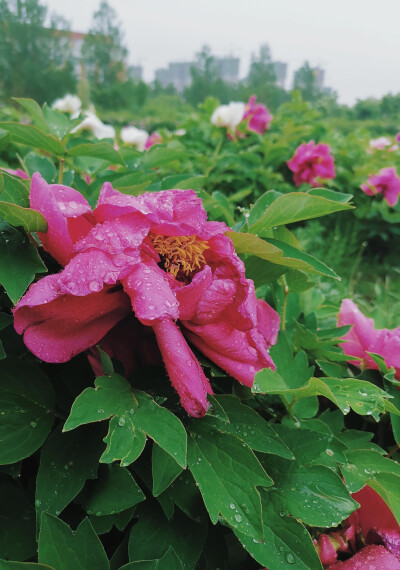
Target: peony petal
[388, 537]
[57, 327]
[184, 370]
[372, 513]
[68, 215]
[369, 558]
[188, 296]
[150, 292]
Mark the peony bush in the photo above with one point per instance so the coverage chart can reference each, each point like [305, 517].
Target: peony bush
[184, 383]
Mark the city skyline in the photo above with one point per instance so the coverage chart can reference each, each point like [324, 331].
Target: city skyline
[357, 43]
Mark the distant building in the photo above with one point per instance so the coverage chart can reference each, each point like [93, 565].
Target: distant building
[75, 40]
[319, 75]
[178, 73]
[135, 72]
[281, 72]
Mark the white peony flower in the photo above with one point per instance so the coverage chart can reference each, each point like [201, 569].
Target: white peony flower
[229, 115]
[98, 128]
[68, 104]
[134, 136]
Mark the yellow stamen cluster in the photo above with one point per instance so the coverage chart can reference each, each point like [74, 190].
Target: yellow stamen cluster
[180, 254]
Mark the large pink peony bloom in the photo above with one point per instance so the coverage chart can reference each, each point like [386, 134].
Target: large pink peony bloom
[312, 163]
[157, 255]
[258, 115]
[363, 338]
[386, 182]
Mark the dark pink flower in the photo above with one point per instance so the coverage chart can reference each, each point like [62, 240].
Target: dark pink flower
[398, 137]
[369, 558]
[18, 172]
[155, 255]
[363, 338]
[312, 163]
[258, 115]
[386, 182]
[154, 138]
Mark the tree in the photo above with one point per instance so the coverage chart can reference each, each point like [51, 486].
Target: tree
[103, 50]
[262, 70]
[35, 61]
[305, 80]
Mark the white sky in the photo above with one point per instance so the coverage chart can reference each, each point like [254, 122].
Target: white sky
[357, 42]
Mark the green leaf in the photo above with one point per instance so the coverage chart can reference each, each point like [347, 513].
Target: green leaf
[34, 137]
[101, 150]
[165, 470]
[104, 524]
[13, 190]
[366, 465]
[247, 425]
[67, 461]
[363, 397]
[26, 401]
[42, 164]
[114, 491]
[186, 495]
[18, 528]
[10, 565]
[58, 122]
[34, 110]
[279, 253]
[169, 560]
[387, 485]
[227, 473]
[160, 156]
[295, 207]
[153, 535]
[286, 544]
[30, 220]
[65, 550]
[19, 261]
[133, 414]
[330, 195]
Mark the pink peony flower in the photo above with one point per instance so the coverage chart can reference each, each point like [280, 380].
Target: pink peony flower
[312, 163]
[154, 138]
[375, 526]
[19, 172]
[258, 115]
[363, 338]
[398, 137]
[380, 143]
[386, 182]
[152, 262]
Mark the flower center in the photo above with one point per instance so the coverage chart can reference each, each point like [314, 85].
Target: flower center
[180, 255]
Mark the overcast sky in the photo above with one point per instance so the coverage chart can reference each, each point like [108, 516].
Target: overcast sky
[357, 42]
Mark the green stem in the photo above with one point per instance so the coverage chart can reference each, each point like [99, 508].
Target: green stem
[214, 156]
[60, 175]
[284, 304]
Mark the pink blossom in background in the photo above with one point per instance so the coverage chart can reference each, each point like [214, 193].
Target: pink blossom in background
[258, 115]
[149, 267]
[311, 164]
[18, 172]
[154, 138]
[386, 182]
[398, 137]
[380, 143]
[363, 338]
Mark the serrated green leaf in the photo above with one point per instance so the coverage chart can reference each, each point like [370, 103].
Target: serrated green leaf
[286, 544]
[247, 425]
[32, 136]
[295, 207]
[17, 537]
[100, 150]
[115, 490]
[153, 535]
[66, 462]
[363, 397]
[26, 401]
[169, 560]
[19, 261]
[13, 190]
[164, 469]
[66, 550]
[228, 474]
[133, 414]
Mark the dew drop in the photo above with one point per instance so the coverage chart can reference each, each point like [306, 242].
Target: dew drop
[100, 411]
[33, 424]
[38, 502]
[290, 559]
[94, 286]
[238, 517]
[232, 506]
[329, 452]
[122, 421]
